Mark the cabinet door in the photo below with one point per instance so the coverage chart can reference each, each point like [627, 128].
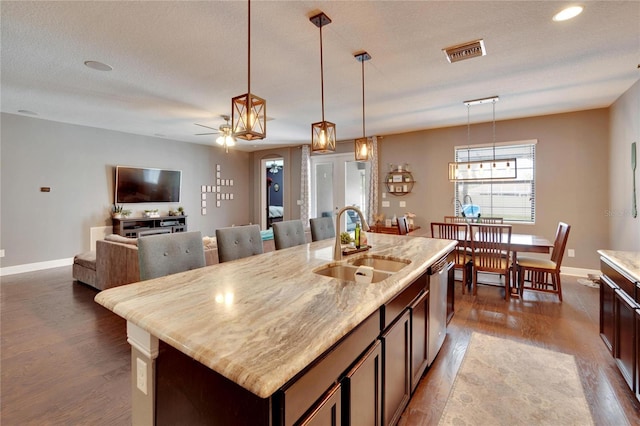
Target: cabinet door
[625, 337]
[362, 390]
[328, 410]
[607, 296]
[419, 314]
[396, 368]
[637, 320]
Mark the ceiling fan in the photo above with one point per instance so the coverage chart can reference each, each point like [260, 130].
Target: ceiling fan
[225, 139]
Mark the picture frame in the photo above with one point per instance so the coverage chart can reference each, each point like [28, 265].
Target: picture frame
[204, 211]
[397, 178]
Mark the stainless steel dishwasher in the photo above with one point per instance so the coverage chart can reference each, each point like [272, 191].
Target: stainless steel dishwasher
[438, 282]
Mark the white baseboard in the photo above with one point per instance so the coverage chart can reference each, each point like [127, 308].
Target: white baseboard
[30, 267]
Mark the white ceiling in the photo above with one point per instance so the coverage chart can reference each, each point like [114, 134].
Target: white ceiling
[176, 63]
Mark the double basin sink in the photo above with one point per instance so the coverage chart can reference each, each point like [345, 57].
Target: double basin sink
[383, 267]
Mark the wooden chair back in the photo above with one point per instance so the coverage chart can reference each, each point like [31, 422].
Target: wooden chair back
[560, 243]
[490, 220]
[456, 219]
[491, 246]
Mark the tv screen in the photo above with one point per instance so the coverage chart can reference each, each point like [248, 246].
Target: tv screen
[143, 185]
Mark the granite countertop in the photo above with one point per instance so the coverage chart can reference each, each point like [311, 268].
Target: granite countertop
[260, 320]
[628, 261]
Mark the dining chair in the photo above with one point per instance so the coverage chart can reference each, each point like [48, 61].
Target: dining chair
[456, 219]
[289, 233]
[491, 252]
[461, 255]
[166, 254]
[403, 225]
[490, 220]
[237, 242]
[544, 274]
[322, 228]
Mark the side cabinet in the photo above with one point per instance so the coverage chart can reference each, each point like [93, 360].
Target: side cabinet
[362, 390]
[620, 321]
[396, 365]
[607, 318]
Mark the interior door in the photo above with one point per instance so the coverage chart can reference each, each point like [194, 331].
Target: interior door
[337, 181]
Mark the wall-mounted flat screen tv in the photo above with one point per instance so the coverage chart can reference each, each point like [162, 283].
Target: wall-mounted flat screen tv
[144, 185]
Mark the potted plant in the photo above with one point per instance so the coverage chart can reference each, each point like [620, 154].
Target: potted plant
[116, 211]
[125, 213]
[180, 211]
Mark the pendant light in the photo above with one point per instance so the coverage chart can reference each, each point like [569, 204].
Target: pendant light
[363, 145]
[248, 111]
[323, 133]
[482, 170]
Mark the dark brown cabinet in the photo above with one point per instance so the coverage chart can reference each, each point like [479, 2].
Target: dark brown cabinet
[419, 342]
[625, 336]
[362, 390]
[607, 319]
[396, 341]
[620, 321]
[328, 412]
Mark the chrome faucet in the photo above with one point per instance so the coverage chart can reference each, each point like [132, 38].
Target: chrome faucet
[337, 251]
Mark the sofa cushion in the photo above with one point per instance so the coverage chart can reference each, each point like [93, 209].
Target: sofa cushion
[120, 239]
[86, 260]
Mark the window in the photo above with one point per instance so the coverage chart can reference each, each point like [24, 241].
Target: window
[513, 200]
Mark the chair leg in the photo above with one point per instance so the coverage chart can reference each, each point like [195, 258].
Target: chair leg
[507, 285]
[556, 279]
[475, 281]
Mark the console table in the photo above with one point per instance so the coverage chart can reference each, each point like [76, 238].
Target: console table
[393, 230]
[141, 226]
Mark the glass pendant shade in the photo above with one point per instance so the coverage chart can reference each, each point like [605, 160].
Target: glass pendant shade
[363, 149]
[249, 117]
[323, 137]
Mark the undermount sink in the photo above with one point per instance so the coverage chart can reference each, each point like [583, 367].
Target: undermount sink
[347, 272]
[380, 263]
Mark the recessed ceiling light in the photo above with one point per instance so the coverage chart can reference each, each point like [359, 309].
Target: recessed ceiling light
[98, 66]
[568, 13]
[26, 111]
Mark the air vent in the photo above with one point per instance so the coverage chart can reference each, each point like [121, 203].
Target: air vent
[468, 50]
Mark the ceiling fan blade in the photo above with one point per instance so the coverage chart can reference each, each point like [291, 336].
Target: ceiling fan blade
[202, 125]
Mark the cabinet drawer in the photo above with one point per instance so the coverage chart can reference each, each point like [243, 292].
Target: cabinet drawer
[392, 309]
[305, 390]
[625, 283]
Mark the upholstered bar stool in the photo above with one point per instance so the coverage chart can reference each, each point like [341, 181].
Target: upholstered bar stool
[322, 228]
[237, 242]
[166, 254]
[288, 234]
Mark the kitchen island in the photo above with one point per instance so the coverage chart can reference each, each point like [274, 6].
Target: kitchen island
[258, 327]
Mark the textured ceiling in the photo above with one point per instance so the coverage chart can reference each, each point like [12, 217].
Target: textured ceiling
[177, 63]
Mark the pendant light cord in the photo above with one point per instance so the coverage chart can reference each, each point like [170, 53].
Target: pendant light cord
[321, 71]
[249, 52]
[468, 133]
[364, 135]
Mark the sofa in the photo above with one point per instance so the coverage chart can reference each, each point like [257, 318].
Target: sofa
[115, 260]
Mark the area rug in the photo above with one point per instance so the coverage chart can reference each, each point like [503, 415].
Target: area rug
[501, 382]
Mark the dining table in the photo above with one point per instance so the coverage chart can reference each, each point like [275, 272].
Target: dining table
[520, 243]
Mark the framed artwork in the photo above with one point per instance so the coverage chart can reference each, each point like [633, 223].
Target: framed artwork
[218, 167]
[218, 203]
[204, 211]
[204, 203]
[203, 188]
[231, 196]
[204, 195]
[231, 182]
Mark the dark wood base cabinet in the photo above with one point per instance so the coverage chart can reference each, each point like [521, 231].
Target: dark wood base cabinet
[620, 321]
[365, 379]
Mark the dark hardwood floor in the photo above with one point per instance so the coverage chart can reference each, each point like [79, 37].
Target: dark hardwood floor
[65, 359]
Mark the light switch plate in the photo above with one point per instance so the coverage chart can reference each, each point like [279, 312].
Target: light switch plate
[384, 195]
[571, 253]
[385, 204]
[2, 253]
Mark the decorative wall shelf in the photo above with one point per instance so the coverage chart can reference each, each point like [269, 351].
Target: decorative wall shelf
[399, 182]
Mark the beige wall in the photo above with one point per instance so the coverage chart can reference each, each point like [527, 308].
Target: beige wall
[571, 174]
[624, 230]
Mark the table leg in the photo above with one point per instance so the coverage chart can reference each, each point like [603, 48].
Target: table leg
[514, 289]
